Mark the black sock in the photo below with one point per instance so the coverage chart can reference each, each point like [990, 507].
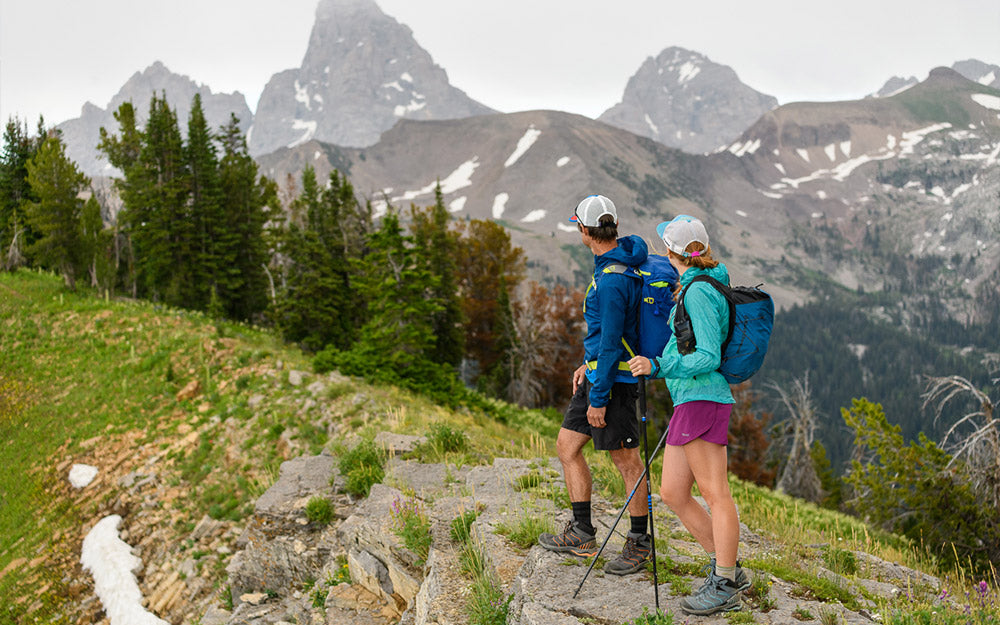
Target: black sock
[639, 524]
[581, 514]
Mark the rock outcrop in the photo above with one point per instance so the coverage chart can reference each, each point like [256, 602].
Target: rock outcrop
[363, 71]
[390, 583]
[684, 100]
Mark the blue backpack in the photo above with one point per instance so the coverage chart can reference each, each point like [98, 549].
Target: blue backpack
[751, 319]
[659, 279]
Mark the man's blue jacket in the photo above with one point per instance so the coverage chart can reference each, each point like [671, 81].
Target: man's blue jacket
[611, 310]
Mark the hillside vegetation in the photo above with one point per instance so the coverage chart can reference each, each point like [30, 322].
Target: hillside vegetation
[211, 409]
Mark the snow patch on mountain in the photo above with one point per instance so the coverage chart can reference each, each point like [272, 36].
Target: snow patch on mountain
[523, 144]
[499, 204]
[533, 216]
[310, 130]
[991, 102]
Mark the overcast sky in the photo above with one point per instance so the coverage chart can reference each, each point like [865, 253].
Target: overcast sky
[512, 55]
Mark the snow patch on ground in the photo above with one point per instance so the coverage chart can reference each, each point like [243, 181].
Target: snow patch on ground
[526, 141]
[780, 168]
[845, 148]
[804, 155]
[831, 152]
[457, 204]
[533, 216]
[499, 203]
[741, 213]
[317, 155]
[110, 561]
[562, 161]
[566, 227]
[80, 475]
[988, 78]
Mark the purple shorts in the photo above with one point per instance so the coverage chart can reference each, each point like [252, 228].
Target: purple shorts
[706, 420]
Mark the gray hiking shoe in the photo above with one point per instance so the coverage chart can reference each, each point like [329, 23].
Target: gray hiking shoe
[718, 594]
[574, 539]
[634, 555]
[742, 581]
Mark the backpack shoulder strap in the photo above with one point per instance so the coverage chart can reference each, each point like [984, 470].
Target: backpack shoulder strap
[726, 291]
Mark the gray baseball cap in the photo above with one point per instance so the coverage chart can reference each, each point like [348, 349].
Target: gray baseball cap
[681, 231]
[589, 211]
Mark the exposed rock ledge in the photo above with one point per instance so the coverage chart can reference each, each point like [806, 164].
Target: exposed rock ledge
[286, 565]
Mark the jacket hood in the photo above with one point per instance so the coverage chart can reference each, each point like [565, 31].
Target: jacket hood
[631, 251]
[719, 272]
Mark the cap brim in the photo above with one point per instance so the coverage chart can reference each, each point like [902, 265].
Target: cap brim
[661, 228]
[573, 219]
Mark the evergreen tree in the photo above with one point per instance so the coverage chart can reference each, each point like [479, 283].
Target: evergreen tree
[247, 200]
[438, 247]
[397, 340]
[16, 233]
[56, 216]
[209, 229]
[123, 152]
[307, 309]
[155, 193]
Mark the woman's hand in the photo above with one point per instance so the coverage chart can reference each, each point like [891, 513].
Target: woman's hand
[640, 365]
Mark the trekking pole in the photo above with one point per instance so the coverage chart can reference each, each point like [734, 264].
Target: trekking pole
[649, 492]
[625, 507]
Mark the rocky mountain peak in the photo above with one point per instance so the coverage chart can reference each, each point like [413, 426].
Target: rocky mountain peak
[362, 72]
[82, 134]
[683, 99]
[972, 69]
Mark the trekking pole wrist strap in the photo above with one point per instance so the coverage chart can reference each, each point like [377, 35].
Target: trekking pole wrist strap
[655, 367]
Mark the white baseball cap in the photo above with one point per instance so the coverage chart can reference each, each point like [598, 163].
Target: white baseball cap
[681, 231]
[589, 211]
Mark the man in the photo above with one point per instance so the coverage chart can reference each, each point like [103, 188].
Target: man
[604, 391]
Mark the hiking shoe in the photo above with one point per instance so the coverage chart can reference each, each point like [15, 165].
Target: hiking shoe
[742, 581]
[634, 555]
[716, 595]
[574, 539]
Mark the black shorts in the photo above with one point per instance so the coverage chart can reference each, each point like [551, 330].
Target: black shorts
[622, 429]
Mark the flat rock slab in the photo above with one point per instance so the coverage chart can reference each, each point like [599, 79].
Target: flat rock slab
[297, 478]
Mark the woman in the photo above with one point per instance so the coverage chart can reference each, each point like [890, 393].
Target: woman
[698, 431]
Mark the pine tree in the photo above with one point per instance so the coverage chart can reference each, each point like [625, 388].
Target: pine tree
[438, 247]
[246, 202]
[207, 219]
[56, 216]
[399, 333]
[306, 310]
[16, 233]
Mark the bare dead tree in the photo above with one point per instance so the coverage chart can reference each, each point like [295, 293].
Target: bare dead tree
[798, 477]
[974, 437]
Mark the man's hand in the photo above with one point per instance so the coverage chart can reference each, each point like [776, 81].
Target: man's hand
[595, 416]
[578, 377]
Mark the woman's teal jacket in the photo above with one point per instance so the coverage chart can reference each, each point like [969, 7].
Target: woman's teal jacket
[694, 376]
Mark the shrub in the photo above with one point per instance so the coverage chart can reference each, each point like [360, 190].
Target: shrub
[361, 467]
[319, 510]
[413, 527]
